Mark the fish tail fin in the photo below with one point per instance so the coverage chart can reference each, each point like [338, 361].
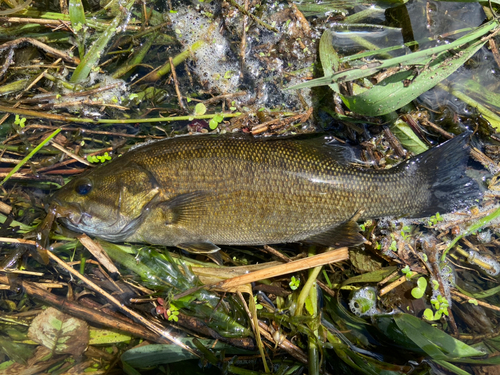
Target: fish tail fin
[443, 168]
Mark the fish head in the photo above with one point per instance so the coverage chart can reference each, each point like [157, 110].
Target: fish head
[110, 202]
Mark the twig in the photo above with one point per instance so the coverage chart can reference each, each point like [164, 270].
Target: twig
[50, 50]
[56, 23]
[70, 154]
[176, 84]
[282, 342]
[277, 254]
[152, 326]
[279, 122]
[35, 81]
[480, 303]
[9, 59]
[5, 208]
[395, 284]
[218, 98]
[394, 142]
[91, 315]
[51, 116]
[243, 43]
[91, 131]
[84, 94]
[97, 251]
[283, 269]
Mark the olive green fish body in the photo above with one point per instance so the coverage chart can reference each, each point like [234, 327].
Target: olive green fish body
[244, 191]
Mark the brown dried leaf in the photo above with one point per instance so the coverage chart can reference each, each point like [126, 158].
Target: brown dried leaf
[59, 332]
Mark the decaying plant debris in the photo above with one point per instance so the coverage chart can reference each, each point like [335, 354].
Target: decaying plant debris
[83, 82]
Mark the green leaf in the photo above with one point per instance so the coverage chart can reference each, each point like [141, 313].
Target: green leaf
[436, 343]
[105, 337]
[422, 283]
[409, 140]
[156, 354]
[76, 13]
[329, 58]
[452, 367]
[387, 325]
[200, 109]
[59, 332]
[371, 277]
[422, 57]
[417, 293]
[394, 92]
[213, 124]
[428, 314]
[419, 290]
[94, 54]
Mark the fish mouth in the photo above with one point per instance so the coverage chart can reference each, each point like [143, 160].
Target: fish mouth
[71, 213]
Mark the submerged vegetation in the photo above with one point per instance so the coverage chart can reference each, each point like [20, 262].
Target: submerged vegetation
[82, 82]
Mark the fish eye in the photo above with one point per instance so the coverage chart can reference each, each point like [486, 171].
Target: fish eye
[84, 187]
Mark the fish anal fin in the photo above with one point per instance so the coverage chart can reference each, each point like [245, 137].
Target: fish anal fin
[345, 234]
[199, 247]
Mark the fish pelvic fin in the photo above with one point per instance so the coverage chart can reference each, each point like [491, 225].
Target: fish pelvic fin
[199, 247]
[443, 167]
[344, 234]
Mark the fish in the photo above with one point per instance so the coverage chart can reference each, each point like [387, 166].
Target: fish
[200, 192]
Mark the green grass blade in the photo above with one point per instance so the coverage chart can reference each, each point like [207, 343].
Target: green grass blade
[409, 140]
[422, 57]
[436, 343]
[30, 155]
[394, 93]
[329, 58]
[76, 13]
[96, 51]
[473, 228]
[492, 117]
[454, 369]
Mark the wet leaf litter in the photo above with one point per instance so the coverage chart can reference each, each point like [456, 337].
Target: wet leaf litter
[423, 279]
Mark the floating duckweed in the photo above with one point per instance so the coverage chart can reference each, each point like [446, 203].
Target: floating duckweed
[294, 283]
[419, 290]
[364, 302]
[200, 109]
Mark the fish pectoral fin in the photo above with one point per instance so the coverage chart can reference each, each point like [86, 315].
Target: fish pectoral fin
[199, 247]
[345, 234]
[184, 208]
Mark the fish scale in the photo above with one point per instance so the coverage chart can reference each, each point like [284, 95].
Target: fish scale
[194, 191]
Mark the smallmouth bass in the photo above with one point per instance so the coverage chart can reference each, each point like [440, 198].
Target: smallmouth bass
[196, 192]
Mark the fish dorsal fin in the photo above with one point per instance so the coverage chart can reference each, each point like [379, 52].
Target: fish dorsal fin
[199, 247]
[345, 234]
[342, 154]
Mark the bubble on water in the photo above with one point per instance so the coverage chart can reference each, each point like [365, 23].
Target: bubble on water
[364, 302]
[212, 64]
